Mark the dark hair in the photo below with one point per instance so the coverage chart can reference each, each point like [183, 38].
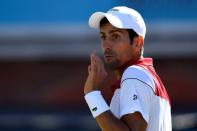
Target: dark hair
[103, 21]
[131, 32]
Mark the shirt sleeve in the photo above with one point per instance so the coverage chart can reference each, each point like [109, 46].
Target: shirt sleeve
[135, 96]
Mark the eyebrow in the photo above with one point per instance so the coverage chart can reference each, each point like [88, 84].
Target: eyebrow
[112, 31]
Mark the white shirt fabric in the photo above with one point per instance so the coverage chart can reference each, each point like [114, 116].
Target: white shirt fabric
[137, 94]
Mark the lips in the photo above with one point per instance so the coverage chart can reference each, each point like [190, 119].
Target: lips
[108, 57]
[109, 54]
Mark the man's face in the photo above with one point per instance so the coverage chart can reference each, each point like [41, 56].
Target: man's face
[116, 46]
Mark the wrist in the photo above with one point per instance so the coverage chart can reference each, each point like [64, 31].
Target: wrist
[96, 103]
[89, 91]
[90, 88]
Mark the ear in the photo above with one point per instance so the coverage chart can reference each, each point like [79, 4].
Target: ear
[138, 41]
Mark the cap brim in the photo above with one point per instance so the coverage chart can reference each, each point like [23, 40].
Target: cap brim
[94, 20]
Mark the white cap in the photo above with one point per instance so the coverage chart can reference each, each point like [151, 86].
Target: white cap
[120, 17]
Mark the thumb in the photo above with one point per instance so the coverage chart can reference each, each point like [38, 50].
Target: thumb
[89, 69]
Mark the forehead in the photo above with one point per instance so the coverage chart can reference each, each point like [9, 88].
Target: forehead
[108, 28]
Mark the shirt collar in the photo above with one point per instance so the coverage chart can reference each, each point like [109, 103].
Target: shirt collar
[144, 61]
[141, 61]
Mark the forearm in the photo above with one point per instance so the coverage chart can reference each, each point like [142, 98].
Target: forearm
[108, 122]
[98, 106]
[101, 112]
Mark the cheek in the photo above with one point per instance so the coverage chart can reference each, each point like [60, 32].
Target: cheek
[102, 47]
[123, 51]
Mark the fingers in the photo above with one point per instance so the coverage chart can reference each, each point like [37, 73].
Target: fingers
[100, 62]
[93, 64]
[89, 69]
[97, 64]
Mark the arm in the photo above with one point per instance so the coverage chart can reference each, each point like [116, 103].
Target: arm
[130, 122]
[106, 120]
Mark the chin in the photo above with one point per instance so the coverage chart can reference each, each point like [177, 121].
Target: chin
[112, 65]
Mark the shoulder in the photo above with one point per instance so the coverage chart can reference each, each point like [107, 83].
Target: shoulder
[138, 73]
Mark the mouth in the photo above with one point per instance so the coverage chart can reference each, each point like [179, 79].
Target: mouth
[109, 56]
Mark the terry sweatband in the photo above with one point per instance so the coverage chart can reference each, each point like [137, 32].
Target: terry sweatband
[96, 103]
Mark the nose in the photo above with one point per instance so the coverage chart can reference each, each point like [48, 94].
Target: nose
[106, 45]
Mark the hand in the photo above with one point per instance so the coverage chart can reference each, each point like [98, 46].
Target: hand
[96, 74]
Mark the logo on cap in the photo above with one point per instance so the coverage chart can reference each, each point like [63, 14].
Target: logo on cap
[114, 10]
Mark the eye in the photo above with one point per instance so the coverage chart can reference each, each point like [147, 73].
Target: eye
[115, 37]
[102, 37]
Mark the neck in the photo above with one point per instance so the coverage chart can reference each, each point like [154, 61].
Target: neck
[118, 74]
[119, 71]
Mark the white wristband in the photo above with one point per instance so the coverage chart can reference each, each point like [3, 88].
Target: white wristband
[96, 103]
